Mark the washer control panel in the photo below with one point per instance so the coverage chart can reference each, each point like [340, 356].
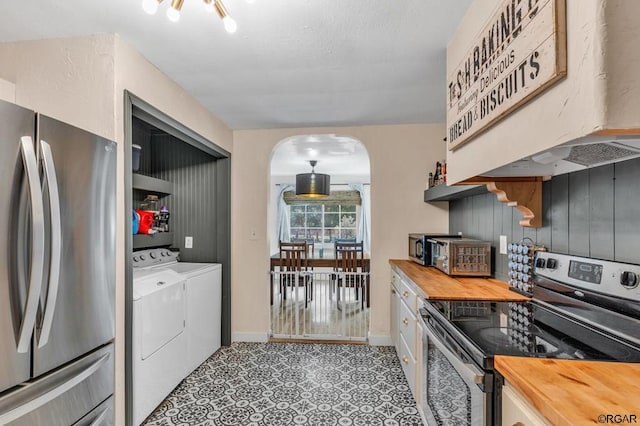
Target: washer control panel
[153, 257]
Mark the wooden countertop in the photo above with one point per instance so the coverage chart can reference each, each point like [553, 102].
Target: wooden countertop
[437, 285]
[569, 392]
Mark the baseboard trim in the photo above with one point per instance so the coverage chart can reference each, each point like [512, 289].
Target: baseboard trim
[380, 340]
[249, 337]
[318, 341]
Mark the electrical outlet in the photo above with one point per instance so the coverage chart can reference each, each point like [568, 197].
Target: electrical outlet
[503, 244]
[188, 242]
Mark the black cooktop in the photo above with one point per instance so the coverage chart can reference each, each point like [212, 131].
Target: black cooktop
[528, 329]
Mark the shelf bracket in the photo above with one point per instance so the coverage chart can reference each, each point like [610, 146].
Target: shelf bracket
[523, 193]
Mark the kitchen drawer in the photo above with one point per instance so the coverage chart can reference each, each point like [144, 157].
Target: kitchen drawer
[396, 281]
[407, 327]
[408, 295]
[408, 363]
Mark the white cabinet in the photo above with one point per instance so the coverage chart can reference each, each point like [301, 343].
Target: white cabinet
[517, 411]
[394, 307]
[405, 333]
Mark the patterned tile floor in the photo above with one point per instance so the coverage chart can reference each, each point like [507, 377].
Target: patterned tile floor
[271, 384]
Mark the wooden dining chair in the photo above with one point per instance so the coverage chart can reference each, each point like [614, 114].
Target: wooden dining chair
[349, 270]
[294, 269]
[310, 244]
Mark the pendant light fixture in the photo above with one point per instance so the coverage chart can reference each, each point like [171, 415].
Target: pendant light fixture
[312, 185]
[173, 12]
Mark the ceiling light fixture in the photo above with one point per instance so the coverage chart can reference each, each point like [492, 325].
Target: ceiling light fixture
[173, 13]
[313, 185]
[228, 22]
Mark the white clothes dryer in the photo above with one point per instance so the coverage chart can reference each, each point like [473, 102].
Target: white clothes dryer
[204, 309]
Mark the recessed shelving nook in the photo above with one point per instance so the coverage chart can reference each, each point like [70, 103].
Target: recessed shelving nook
[162, 188]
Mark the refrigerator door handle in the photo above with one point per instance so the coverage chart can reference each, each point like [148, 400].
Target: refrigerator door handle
[45, 398]
[56, 242]
[37, 243]
[101, 417]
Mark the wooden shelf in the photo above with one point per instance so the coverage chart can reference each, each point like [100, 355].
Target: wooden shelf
[443, 192]
[151, 184]
[522, 193]
[153, 240]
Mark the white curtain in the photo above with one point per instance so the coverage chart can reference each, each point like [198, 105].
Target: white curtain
[364, 228]
[284, 229]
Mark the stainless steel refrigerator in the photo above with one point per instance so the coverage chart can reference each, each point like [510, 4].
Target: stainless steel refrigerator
[57, 272]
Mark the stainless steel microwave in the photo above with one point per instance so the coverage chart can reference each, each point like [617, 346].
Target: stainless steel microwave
[420, 248]
[461, 256]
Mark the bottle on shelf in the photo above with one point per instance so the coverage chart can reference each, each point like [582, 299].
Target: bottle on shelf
[430, 183]
[163, 219]
[437, 175]
[444, 172]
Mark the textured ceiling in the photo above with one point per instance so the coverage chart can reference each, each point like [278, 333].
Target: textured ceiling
[336, 155]
[292, 63]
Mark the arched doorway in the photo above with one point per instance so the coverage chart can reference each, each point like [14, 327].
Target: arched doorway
[319, 303]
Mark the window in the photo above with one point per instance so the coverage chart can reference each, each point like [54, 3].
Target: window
[323, 223]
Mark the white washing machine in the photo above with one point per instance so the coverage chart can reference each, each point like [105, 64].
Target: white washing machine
[204, 300]
[159, 337]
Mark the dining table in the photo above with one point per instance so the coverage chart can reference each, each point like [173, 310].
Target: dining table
[317, 260]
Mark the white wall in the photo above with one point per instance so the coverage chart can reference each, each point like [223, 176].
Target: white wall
[401, 157]
[7, 91]
[82, 81]
[68, 79]
[601, 90]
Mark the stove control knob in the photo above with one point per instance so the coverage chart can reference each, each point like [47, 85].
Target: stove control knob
[152, 255]
[541, 263]
[552, 264]
[629, 279]
[143, 257]
[135, 258]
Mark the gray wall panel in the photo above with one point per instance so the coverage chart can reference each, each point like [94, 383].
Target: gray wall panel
[499, 260]
[466, 217]
[593, 213]
[485, 221]
[601, 196]
[543, 234]
[560, 214]
[627, 211]
[579, 213]
[141, 135]
[193, 203]
[455, 216]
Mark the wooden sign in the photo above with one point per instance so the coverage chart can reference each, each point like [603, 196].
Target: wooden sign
[520, 52]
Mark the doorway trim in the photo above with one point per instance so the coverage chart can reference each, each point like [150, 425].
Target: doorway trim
[136, 107]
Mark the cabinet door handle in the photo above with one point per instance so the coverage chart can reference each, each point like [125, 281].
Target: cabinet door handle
[405, 294]
[405, 321]
[405, 359]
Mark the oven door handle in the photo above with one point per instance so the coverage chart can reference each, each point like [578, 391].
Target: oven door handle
[471, 374]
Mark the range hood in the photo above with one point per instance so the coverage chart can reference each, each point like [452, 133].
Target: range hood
[579, 154]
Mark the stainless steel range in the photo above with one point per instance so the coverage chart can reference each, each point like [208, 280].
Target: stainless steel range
[581, 308]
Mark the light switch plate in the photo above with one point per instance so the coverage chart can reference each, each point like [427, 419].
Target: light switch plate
[503, 244]
[188, 242]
